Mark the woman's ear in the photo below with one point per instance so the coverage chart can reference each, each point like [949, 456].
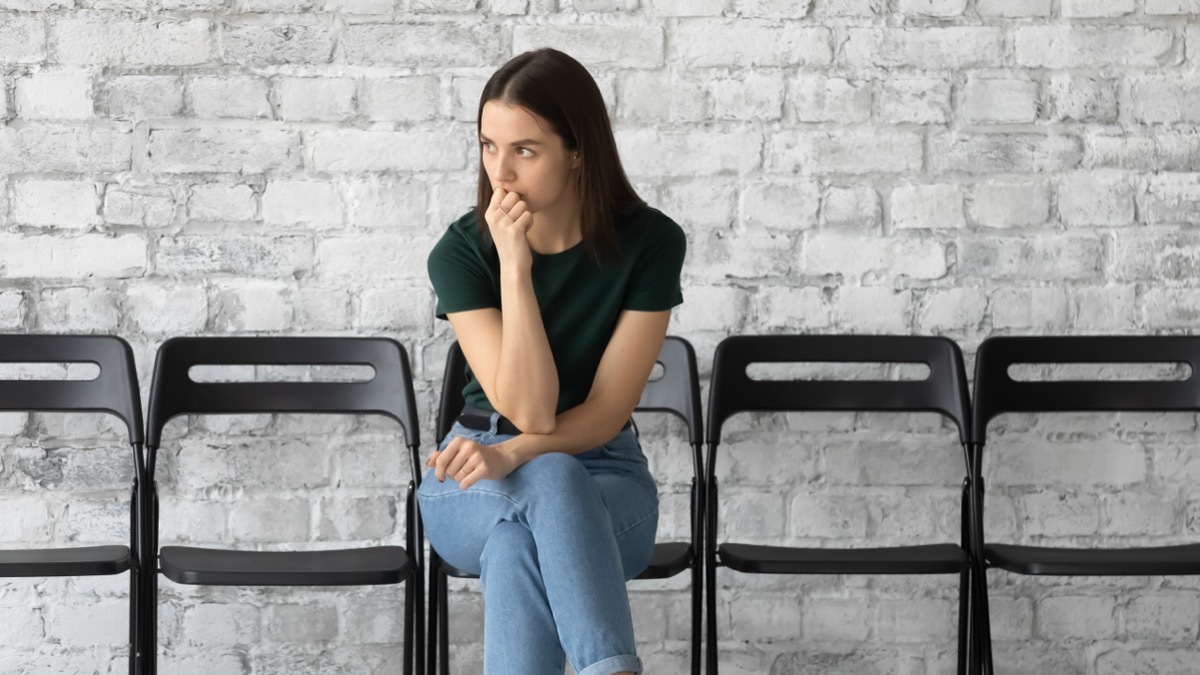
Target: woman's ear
[575, 159]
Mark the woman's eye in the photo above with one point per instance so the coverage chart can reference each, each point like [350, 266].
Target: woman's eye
[487, 146]
[524, 152]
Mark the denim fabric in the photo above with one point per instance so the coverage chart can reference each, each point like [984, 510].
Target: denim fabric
[553, 544]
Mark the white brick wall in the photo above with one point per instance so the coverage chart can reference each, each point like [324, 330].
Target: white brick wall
[950, 167]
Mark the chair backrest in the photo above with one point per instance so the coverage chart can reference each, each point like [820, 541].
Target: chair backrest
[733, 391]
[113, 391]
[389, 392]
[997, 392]
[677, 391]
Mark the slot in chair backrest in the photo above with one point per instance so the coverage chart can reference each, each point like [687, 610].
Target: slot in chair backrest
[996, 392]
[113, 391]
[669, 393]
[733, 391]
[386, 393]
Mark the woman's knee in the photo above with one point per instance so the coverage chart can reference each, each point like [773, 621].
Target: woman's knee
[556, 468]
[509, 542]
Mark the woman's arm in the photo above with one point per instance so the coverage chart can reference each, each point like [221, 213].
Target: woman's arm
[620, 379]
[508, 349]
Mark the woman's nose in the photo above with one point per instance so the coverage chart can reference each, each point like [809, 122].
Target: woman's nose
[504, 168]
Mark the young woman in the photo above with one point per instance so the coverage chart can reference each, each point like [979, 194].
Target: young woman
[559, 286]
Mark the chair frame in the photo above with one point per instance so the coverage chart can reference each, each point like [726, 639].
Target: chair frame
[732, 391]
[677, 392]
[114, 391]
[996, 393]
[389, 393]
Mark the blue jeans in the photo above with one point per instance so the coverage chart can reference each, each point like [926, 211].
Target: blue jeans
[553, 544]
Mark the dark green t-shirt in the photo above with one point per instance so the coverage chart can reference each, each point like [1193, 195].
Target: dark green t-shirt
[579, 300]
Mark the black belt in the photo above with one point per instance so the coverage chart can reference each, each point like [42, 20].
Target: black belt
[481, 420]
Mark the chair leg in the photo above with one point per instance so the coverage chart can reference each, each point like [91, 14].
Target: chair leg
[710, 586]
[409, 624]
[135, 627]
[443, 624]
[964, 622]
[434, 608]
[697, 618]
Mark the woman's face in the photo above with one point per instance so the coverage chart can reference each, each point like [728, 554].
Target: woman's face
[522, 154]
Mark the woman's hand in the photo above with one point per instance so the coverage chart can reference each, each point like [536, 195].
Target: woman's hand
[509, 218]
[468, 462]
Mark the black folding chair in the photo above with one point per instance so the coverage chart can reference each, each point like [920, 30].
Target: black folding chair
[388, 393]
[733, 391]
[113, 391]
[997, 392]
[677, 392]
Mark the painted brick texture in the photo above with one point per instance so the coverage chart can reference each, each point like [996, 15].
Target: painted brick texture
[951, 167]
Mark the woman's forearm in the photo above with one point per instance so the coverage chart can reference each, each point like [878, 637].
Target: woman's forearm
[526, 378]
[586, 426]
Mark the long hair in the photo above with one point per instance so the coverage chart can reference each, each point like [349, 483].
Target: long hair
[557, 88]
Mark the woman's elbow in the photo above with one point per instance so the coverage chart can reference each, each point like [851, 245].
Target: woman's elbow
[535, 424]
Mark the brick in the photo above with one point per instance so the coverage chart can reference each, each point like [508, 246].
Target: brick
[352, 150]
[855, 256]
[851, 152]
[1159, 100]
[1171, 198]
[400, 99]
[874, 309]
[851, 7]
[916, 100]
[61, 204]
[307, 203]
[1010, 618]
[269, 519]
[744, 254]
[1134, 514]
[395, 308]
[647, 152]
[62, 95]
[12, 310]
[938, 8]
[372, 256]
[1172, 6]
[167, 309]
[1105, 309]
[64, 149]
[1096, 199]
[914, 460]
[143, 205]
[99, 38]
[278, 257]
[821, 99]
[788, 205]
[953, 47]
[131, 97]
[914, 620]
[752, 516]
[593, 46]
[766, 618]
[1004, 153]
[1156, 256]
[1067, 463]
[1013, 8]
[853, 207]
[1010, 204]
[707, 43]
[927, 207]
[1171, 308]
[373, 622]
[583, 6]
[201, 149]
[22, 39]
[711, 308]
[702, 202]
[216, 202]
[656, 96]
[1091, 618]
[750, 96]
[389, 204]
[827, 516]
[773, 9]
[793, 309]
[237, 97]
[1000, 101]
[50, 257]
[953, 309]
[1076, 9]
[1161, 151]
[665, 8]
[361, 7]
[212, 625]
[252, 305]
[323, 309]
[290, 43]
[186, 521]
[315, 99]
[301, 623]
[99, 622]
[836, 619]
[1048, 514]
[1089, 47]
[431, 44]
[1163, 617]
[29, 520]
[1081, 98]
[1024, 308]
[78, 310]
[447, 5]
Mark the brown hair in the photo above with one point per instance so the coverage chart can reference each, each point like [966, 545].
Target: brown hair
[557, 88]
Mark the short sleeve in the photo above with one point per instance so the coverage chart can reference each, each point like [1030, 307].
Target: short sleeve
[655, 284]
[459, 273]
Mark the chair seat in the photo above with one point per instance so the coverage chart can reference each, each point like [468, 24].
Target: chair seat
[927, 559]
[1164, 560]
[65, 562]
[354, 567]
[669, 559]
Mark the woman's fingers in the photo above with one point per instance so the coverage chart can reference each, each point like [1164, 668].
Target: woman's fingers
[519, 209]
[510, 200]
[524, 222]
[475, 475]
[443, 458]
